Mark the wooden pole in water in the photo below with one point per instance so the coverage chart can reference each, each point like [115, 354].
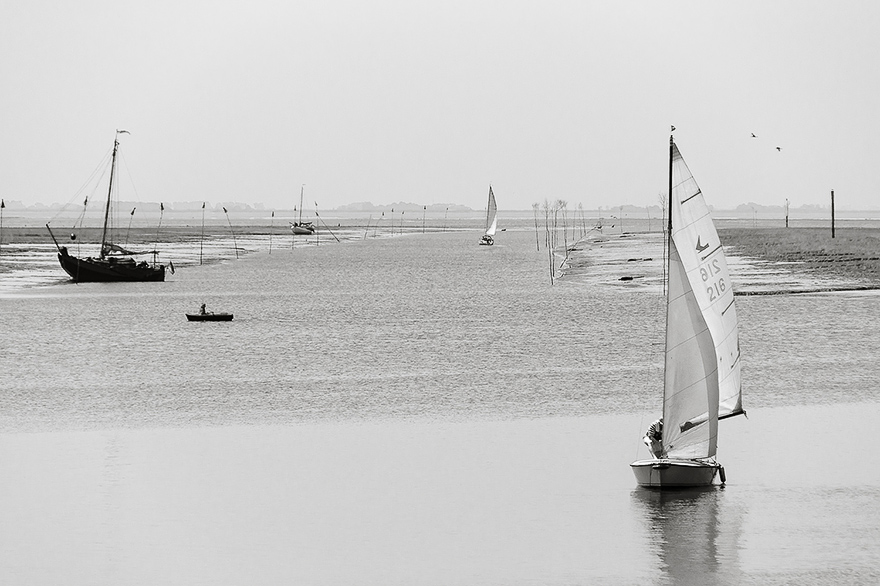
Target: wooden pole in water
[317, 233]
[832, 213]
[320, 219]
[159, 227]
[130, 218]
[202, 235]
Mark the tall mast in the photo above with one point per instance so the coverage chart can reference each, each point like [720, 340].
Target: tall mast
[302, 187]
[669, 227]
[109, 193]
[668, 239]
[668, 243]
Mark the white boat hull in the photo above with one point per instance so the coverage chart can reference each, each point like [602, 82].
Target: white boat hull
[667, 473]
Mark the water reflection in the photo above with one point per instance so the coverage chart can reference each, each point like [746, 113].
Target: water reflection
[694, 541]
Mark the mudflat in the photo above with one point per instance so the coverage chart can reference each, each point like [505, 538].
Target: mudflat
[853, 253]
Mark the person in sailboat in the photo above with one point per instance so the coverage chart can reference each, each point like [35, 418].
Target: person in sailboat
[654, 438]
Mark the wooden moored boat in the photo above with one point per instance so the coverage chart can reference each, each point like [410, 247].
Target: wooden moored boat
[113, 263]
[300, 227]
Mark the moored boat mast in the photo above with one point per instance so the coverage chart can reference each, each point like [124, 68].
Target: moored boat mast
[110, 192]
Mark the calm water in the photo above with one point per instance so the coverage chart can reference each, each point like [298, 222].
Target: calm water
[421, 410]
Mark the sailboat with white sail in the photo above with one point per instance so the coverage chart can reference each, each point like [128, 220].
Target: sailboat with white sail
[702, 382]
[300, 227]
[491, 220]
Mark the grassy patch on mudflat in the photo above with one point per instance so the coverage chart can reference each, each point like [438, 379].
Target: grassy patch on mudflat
[853, 253]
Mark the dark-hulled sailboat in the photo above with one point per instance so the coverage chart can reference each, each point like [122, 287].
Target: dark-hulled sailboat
[114, 263]
[300, 227]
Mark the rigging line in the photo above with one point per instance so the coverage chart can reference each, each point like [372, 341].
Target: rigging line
[326, 226]
[641, 426]
[102, 166]
[136, 197]
[130, 178]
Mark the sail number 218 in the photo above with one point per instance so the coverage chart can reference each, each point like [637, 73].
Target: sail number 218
[715, 288]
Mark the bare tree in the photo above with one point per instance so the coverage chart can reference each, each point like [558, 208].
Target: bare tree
[535, 207]
[548, 238]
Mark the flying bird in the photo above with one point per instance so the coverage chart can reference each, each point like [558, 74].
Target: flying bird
[779, 149]
[753, 135]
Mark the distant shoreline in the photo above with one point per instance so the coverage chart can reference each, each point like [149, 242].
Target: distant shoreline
[853, 254]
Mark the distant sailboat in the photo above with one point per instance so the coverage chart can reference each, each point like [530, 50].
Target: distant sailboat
[300, 227]
[491, 220]
[702, 367]
[114, 263]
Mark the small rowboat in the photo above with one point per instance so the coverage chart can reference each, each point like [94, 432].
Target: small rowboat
[209, 316]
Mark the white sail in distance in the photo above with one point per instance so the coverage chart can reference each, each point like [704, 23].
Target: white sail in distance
[491, 214]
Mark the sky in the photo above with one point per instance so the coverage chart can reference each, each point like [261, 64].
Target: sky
[430, 102]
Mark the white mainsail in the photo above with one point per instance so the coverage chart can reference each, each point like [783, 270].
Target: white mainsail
[491, 214]
[703, 379]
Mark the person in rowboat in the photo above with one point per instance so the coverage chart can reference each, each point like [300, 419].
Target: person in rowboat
[202, 310]
[653, 438]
